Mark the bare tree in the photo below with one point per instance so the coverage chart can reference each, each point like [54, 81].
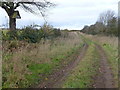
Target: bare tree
[106, 16]
[33, 7]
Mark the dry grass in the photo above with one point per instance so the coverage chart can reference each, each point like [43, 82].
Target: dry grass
[113, 41]
[16, 63]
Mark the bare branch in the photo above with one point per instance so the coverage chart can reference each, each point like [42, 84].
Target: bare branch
[17, 5]
[5, 8]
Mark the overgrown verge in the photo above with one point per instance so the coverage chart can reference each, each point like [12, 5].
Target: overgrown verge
[81, 76]
[30, 63]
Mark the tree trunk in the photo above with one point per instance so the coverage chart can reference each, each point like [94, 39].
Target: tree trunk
[12, 23]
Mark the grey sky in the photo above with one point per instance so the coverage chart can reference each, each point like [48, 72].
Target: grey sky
[70, 14]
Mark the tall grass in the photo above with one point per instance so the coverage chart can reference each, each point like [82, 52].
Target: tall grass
[27, 63]
[112, 40]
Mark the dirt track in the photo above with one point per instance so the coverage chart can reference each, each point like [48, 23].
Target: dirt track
[56, 79]
[104, 79]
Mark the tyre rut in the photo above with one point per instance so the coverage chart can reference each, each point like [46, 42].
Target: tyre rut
[104, 79]
[57, 78]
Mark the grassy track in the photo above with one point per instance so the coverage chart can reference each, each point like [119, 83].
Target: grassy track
[29, 65]
[110, 46]
[81, 76]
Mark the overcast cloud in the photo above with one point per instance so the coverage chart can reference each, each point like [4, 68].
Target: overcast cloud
[70, 14]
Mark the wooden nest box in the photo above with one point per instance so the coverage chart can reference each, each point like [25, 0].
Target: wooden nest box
[16, 15]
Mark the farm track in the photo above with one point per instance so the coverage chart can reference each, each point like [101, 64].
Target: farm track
[55, 80]
[104, 79]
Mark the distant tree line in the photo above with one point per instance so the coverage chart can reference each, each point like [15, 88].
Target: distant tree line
[107, 24]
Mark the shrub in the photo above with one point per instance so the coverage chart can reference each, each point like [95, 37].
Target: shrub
[56, 32]
[10, 35]
[30, 35]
